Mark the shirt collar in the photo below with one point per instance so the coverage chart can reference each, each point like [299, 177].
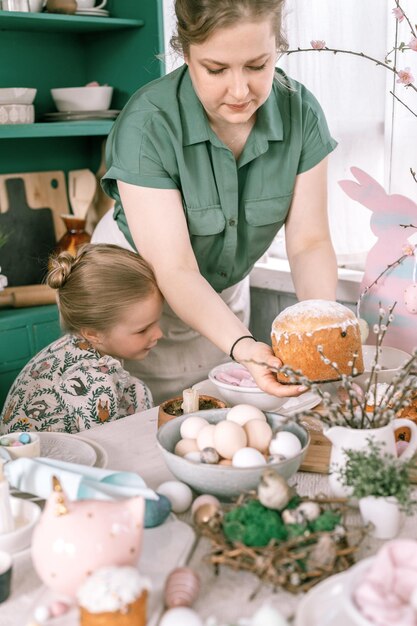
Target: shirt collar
[195, 125]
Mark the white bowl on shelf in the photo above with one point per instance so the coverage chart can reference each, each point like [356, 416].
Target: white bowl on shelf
[26, 515]
[17, 114]
[235, 394]
[17, 95]
[89, 98]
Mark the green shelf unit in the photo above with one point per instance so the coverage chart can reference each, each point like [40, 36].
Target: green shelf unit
[23, 333]
[56, 129]
[48, 22]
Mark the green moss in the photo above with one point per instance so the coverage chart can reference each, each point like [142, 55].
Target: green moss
[254, 525]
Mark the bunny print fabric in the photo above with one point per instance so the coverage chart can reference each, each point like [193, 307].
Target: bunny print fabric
[69, 387]
[393, 221]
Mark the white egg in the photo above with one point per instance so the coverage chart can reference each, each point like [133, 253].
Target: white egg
[191, 426]
[242, 413]
[248, 457]
[194, 457]
[184, 446]
[205, 437]
[205, 498]
[178, 493]
[285, 443]
[268, 616]
[228, 438]
[259, 434]
[181, 616]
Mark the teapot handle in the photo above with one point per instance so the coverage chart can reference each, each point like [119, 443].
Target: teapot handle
[412, 444]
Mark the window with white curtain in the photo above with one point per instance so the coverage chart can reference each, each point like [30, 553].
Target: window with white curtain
[375, 132]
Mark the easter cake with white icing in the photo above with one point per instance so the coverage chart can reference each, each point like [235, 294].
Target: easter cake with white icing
[114, 596]
[320, 338]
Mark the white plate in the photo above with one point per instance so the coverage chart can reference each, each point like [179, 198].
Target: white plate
[66, 447]
[93, 12]
[102, 456]
[322, 605]
[306, 401]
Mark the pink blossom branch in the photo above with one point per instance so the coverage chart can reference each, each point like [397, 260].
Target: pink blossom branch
[407, 225]
[403, 103]
[413, 32]
[352, 52]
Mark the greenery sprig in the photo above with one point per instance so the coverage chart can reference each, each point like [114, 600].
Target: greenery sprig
[373, 472]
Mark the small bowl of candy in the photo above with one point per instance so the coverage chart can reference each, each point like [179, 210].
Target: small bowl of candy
[21, 444]
[236, 386]
[224, 452]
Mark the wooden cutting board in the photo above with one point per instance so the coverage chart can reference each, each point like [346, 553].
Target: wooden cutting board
[43, 189]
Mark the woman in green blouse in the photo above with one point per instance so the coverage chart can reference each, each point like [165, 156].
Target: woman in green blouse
[206, 165]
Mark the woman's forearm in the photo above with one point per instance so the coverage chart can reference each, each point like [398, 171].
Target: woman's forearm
[314, 272]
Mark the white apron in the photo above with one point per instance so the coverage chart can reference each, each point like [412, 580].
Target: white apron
[182, 357]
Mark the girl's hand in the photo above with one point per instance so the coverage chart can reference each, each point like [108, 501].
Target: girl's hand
[249, 353]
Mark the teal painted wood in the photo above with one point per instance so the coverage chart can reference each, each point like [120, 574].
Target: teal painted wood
[23, 333]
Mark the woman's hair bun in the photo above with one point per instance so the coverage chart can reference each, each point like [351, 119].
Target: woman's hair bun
[60, 267]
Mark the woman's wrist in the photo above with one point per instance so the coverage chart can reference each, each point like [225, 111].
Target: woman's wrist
[238, 344]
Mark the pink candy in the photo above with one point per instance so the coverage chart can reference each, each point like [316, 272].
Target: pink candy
[239, 377]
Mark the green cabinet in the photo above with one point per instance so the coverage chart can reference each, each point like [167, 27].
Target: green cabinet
[45, 50]
[23, 332]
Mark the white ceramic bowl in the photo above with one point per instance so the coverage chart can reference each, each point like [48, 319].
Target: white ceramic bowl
[17, 95]
[17, 113]
[94, 98]
[219, 480]
[26, 515]
[29, 450]
[390, 359]
[354, 577]
[233, 394]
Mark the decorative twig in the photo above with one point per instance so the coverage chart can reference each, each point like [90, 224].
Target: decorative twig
[413, 32]
[408, 225]
[368, 287]
[403, 103]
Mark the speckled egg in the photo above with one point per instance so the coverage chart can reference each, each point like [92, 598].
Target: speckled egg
[410, 298]
[181, 587]
[228, 438]
[242, 413]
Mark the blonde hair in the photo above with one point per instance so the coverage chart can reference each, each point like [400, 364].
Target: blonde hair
[198, 19]
[97, 285]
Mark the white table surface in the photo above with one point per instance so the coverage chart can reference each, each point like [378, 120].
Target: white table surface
[131, 445]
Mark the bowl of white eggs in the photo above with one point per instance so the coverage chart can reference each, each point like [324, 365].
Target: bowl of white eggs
[223, 452]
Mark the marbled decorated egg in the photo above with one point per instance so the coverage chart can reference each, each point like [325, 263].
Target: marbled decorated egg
[181, 587]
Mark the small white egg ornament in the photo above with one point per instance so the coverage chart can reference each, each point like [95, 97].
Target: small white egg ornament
[410, 298]
[178, 493]
[181, 616]
[242, 413]
[285, 443]
[248, 457]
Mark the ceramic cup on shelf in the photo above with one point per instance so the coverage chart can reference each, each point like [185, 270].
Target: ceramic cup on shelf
[90, 4]
[36, 6]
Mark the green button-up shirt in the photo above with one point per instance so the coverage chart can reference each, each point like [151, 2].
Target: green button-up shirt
[234, 209]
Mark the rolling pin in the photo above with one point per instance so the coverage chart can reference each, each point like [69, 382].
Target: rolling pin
[28, 295]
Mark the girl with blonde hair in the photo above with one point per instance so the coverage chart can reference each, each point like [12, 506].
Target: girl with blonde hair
[110, 307]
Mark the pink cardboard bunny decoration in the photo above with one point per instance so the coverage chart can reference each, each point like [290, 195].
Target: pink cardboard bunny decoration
[398, 283]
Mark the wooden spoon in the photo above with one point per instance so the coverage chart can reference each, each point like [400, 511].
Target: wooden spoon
[82, 189]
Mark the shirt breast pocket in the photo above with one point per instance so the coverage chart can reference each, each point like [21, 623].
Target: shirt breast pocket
[206, 221]
[267, 211]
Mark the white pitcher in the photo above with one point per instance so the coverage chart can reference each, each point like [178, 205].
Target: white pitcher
[343, 438]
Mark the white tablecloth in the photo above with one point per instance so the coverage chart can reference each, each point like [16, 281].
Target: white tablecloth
[130, 444]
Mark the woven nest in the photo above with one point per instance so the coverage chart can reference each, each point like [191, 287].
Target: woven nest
[296, 564]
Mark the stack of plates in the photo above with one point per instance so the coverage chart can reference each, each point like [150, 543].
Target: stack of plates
[77, 116]
[93, 12]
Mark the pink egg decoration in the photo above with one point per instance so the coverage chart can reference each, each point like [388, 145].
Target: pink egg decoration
[73, 538]
[181, 587]
[410, 298]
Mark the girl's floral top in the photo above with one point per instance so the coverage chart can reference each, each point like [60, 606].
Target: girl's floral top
[69, 387]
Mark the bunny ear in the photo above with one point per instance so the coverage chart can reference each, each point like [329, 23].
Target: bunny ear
[368, 192]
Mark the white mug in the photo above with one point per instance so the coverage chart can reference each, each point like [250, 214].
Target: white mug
[36, 6]
[90, 4]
